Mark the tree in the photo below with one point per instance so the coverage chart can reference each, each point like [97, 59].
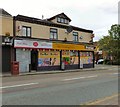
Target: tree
[110, 44]
[115, 32]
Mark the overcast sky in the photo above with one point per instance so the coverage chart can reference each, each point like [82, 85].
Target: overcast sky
[96, 15]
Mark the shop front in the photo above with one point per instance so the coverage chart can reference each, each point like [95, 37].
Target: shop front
[69, 55]
[59, 54]
[75, 56]
[27, 53]
[46, 56]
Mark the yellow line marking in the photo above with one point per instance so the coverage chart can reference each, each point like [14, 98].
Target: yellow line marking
[101, 100]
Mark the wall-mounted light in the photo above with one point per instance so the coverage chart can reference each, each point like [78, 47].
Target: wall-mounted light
[7, 40]
[23, 49]
[7, 33]
[19, 28]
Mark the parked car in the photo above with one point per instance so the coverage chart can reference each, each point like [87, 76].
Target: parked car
[100, 61]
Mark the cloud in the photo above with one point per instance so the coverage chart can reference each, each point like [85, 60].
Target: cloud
[89, 14]
[99, 33]
[110, 7]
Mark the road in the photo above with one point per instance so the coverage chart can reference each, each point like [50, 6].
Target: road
[74, 88]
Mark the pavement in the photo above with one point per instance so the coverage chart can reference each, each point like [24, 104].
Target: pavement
[98, 67]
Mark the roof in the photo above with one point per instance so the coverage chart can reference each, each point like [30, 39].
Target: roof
[47, 23]
[60, 15]
[5, 13]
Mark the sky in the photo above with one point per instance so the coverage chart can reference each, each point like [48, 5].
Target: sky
[96, 15]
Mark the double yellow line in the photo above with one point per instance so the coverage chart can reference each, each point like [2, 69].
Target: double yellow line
[97, 102]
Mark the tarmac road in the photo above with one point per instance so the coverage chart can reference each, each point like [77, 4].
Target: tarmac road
[74, 88]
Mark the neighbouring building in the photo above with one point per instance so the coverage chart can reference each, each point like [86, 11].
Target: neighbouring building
[50, 44]
[100, 54]
[6, 34]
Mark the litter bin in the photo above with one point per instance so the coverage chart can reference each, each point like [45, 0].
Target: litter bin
[15, 68]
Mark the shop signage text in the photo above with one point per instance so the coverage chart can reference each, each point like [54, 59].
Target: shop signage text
[68, 46]
[31, 44]
[90, 47]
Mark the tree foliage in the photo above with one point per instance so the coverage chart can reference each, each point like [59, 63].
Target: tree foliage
[115, 32]
[110, 44]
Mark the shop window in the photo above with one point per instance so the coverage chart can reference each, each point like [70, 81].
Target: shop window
[75, 36]
[26, 31]
[70, 57]
[66, 57]
[86, 57]
[53, 34]
[48, 58]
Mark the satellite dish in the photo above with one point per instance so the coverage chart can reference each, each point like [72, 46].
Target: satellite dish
[69, 29]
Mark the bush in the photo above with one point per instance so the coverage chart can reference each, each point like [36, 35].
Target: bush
[116, 62]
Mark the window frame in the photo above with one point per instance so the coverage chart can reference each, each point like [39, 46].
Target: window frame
[26, 31]
[54, 32]
[58, 19]
[75, 35]
[62, 20]
[66, 21]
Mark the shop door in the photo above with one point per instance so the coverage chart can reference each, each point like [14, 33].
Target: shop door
[34, 59]
[6, 59]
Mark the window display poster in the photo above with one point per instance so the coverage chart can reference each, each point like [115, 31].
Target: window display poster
[86, 57]
[66, 57]
[66, 60]
[70, 57]
[48, 58]
[43, 61]
[73, 57]
[73, 60]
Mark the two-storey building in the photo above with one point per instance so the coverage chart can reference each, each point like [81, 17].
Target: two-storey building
[51, 44]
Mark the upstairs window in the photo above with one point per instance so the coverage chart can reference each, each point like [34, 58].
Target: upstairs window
[66, 21]
[62, 20]
[53, 34]
[26, 31]
[58, 19]
[75, 36]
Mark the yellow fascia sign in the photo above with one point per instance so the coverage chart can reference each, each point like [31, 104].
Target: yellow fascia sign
[61, 46]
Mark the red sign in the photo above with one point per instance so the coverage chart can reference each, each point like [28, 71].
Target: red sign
[32, 44]
[35, 44]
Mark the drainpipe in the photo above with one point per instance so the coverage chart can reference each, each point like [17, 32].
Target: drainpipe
[14, 35]
[93, 59]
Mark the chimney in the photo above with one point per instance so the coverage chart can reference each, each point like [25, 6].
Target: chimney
[42, 16]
